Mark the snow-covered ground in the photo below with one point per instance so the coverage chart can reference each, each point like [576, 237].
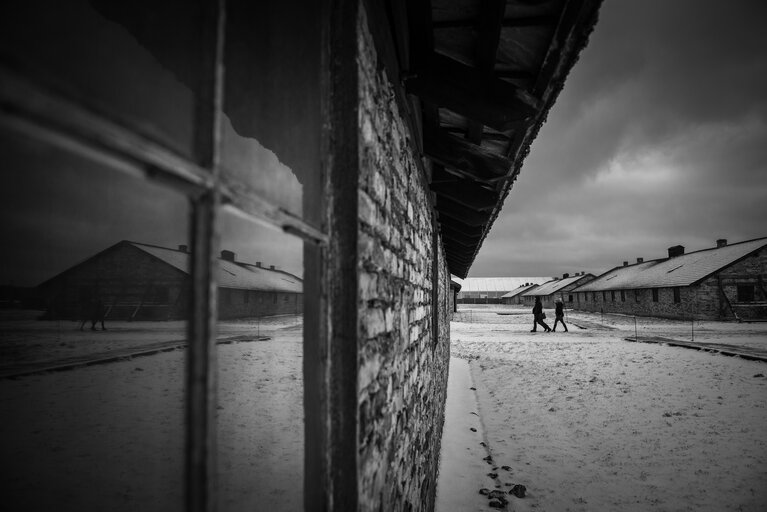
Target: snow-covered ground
[589, 422]
[111, 436]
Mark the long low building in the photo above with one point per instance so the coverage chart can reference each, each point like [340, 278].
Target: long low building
[556, 289]
[136, 281]
[490, 290]
[723, 282]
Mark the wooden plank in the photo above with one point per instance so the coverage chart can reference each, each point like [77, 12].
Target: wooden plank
[463, 191]
[469, 216]
[458, 87]
[463, 156]
[491, 14]
[201, 367]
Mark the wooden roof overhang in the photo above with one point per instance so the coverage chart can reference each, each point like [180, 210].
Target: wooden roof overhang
[478, 78]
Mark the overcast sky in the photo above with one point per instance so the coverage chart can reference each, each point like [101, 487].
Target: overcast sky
[659, 138]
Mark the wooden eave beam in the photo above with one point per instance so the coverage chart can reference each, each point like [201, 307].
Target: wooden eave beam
[464, 229]
[467, 193]
[491, 14]
[449, 208]
[463, 245]
[453, 234]
[520, 21]
[458, 87]
[463, 156]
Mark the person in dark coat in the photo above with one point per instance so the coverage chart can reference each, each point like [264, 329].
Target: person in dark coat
[559, 312]
[538, 316]
[95, 313]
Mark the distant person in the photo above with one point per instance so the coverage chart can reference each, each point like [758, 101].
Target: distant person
[95, 313]
[559, 312]
[538, 316]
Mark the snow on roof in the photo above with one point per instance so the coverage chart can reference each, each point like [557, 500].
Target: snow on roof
[681, 270]
[496, 284]
[237, 275]
[517, 291]
[556, 285]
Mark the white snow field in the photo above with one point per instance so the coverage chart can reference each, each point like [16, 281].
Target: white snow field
[111, 437]
[589, 422]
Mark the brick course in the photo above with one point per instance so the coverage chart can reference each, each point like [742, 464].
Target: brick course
[402, 379]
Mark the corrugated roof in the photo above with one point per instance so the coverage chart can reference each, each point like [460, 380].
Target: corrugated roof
[497, 284]
[682, 270]
[231, 275]
[517, 291]
[556, 285]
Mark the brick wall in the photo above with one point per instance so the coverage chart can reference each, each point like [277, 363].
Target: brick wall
[402, 377]
[702, 301]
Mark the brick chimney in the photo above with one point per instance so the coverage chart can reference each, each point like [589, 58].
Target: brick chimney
[625, 263]
[183, 248]
[640, 260]
[565, 276]
[228, 255]
[271, 267]
[722, 242]
[675, 251]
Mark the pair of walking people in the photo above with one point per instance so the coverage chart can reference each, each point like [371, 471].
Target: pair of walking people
[539, 316]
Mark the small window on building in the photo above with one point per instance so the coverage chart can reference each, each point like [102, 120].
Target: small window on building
[637, 294]
[612, 295]
[594, 296]
[623, 296]
[570, 298]
[585, 297]
[655, 295]
[677, 295]
[745, 293]
[604, 296]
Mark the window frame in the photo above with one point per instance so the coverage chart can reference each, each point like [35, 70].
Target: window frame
[36, 112]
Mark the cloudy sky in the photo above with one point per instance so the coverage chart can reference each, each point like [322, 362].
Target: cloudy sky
[659, 138]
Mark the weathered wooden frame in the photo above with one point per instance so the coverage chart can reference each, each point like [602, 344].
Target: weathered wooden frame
[32, 110]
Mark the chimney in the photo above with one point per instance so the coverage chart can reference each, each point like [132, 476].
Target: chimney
[625, 263]
[722, 242]
[271, 267]
[258, 264]
[640, 260]
[183, 248]
[565, 276]
[228, 255]
[675, 251]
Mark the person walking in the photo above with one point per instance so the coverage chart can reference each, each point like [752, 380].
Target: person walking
[559, 312]
[538, 316]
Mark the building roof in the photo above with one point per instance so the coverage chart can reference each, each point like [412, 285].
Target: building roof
[497, 284]
[236, 275]
[487, 78]
[556, 285]
[683, 270]
[517, 291]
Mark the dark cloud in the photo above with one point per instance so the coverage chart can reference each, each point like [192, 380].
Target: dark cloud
[659, 138]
